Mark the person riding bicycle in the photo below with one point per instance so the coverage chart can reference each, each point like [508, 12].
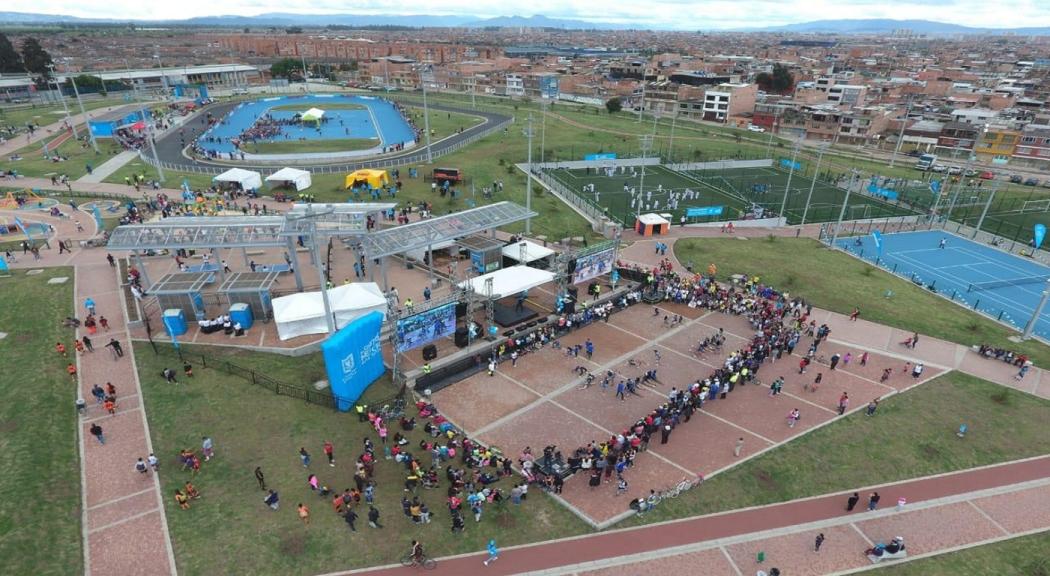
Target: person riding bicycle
[417, 552]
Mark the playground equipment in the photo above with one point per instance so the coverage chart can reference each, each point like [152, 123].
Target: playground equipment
[25, 200]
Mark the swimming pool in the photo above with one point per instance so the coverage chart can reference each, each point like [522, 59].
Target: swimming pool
[346, 117]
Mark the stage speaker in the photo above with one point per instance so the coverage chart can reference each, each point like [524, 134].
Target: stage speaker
[461, 337]
[574, 292]
[461, 310]
[571, 267]
[430, 352]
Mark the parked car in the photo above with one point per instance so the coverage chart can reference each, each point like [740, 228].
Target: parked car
[954, 170]
[939, 168]
[754, 128]
[914, 153]
[1031, 182]
[1015, 179]
[986, 175]
[1046, 183]
[971, 173]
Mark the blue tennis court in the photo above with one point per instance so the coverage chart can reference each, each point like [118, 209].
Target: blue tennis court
[1002, 285]
[272, 119]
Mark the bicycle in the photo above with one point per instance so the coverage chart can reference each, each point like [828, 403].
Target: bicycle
[425, 562]
[674, 492]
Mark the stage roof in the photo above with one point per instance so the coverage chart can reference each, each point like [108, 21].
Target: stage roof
[401, 239]
[533, 251]
[509, 281]
[200, 232]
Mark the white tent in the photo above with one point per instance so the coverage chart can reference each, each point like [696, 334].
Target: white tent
[247, 179]
[312, 115]
[509, 281]
[300, 178]
[533, 251]
[303, 313]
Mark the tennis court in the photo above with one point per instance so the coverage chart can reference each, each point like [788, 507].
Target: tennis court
[999, 284]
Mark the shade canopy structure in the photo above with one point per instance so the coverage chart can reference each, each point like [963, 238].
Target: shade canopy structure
[371, 177]
[312, 115]
[246, 179]
[303, 313]
[293, 176]
[508, 281]
[532, 251]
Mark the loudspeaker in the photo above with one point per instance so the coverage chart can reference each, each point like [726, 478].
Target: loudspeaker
[461, 310]
[430, 352]
[571, 267]
[461, 337]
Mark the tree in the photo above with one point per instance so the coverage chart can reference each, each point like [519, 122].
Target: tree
[613, 105]
[779, 82]
[88, 83]
[287, 68]
[36, 59]
[10, 59]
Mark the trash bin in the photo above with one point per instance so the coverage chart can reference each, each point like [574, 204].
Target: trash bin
[175, 321]
[241, 313]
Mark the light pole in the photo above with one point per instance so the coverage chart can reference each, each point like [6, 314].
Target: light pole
[647, 141]
[984, 212]
[1030, 327]
[670, 144]
[842, 212]
[306, 75]
[62, 97]
[900, 136]
[813, 184]
[787, 187]
[91, 135]
[543, 130]
[426, 118]
[528, 179]
[150, 137]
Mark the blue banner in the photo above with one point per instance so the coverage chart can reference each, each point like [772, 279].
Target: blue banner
[876, 237]
[353, 358]
[883, 192]
[3, 264]
[98, 217]
[935, 186]
[601, 156]
[701, 211]
[1040, 233]
[785, 163]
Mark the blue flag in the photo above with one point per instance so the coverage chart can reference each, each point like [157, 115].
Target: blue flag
[935, 186]
[876, 237]
[1040, 233]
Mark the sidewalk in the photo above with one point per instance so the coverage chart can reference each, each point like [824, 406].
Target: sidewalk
[108, 167]
[973, 516]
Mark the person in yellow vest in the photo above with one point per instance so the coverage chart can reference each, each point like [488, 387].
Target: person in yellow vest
[426, 368]
[409, 307]
[743, 375]
[362, 412]
[733, 380]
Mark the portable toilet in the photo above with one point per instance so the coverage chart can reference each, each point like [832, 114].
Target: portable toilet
[175, 321]
[241, 313]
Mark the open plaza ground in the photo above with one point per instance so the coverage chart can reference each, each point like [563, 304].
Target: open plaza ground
[768, 486]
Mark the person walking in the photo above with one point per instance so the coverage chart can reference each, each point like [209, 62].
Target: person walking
[493, 552]
[87, 344]
[793, 417]
[819, 540]
[96, 431]
[373, 517]
[843, 403]
[739, 447]
[153, 462]
[329, 451]
[304, 457]
[141, 467]
[350, 517]
[619, 391]
[851, 502]
[835, 360]
[260, 478]
[118, 351]
[873, 501]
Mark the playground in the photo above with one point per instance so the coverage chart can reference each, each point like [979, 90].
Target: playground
[1002, 285]
[308, 120]
[740, 192]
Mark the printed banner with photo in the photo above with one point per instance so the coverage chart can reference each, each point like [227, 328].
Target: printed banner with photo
[423, 328]
[594, 265]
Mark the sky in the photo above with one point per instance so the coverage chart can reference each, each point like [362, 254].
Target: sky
[662, 14]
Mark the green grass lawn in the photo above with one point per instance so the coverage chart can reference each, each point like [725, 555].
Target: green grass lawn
[911, 435]
[312, 146]
[837, 282]
[77, 156]
[1024, 556]
[40, 508]
[49, 114]
[230, 531]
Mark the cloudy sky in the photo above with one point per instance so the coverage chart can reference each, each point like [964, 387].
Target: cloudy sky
[679, 14]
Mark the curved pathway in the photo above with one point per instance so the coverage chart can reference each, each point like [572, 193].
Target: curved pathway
[170, 151]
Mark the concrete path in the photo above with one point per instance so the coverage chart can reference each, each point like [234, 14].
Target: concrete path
[108, 167]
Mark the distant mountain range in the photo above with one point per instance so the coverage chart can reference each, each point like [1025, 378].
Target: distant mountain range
[280, 19]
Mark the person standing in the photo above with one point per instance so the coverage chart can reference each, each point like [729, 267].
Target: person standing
[304, 513]
[619, 391]
[843, 403]
[87, 344]
[329, 451]
[873, 501]
[819, 540]
[851, 502]
[493, 552]
[793, 417]
[207, 446]
[260, 478]
[153, 462]
[835, 360]
[141, 467]
[739, 447]
[304, 457]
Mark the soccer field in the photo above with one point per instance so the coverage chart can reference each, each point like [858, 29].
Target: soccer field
[740, 191]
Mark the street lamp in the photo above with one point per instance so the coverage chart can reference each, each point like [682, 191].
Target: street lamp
[426, 115]
[61, 97]
[900, 137]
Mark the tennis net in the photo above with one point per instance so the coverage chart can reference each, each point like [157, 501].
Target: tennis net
[992, 284]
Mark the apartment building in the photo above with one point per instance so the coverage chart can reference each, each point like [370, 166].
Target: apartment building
[514, 85]
[1034, 147]
[997, 145]
[863, 125]
[727, 100]
[848, 95]
[957, 136]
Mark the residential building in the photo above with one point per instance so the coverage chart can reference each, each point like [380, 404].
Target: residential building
[977, 116]
[957, 136]
[515, 85]
[1034, 147]
[728, 100]
[848, 95]
[997, 145]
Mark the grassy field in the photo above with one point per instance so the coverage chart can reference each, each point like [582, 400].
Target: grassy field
[315, 145]
[78, 155]
[49, 114]
[911, 435]
[230, 531]
[40, 508]
[1024, 556]
[805, 267]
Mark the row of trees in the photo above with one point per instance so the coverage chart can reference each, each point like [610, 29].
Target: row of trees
[30, 57]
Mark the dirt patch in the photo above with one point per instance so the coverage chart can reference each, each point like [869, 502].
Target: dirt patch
[293, 545]
[765, 480]
[9, 425]
[930, 451]
[23, 337]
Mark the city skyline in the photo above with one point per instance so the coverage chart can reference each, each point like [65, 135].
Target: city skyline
[656, 14]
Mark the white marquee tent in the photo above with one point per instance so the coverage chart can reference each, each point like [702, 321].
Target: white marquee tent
[298, 178]
[509, 281]
[533, 251]
[247, 179]
[303, 313]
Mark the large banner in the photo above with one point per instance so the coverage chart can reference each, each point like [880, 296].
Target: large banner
[593, 265]
[423, 328]
[353, 358]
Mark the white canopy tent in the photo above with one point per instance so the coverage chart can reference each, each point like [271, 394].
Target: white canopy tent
[533, 251]
[509, 281]
[303, 313]
[312, 115]
[298, 178]
[247, 179]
